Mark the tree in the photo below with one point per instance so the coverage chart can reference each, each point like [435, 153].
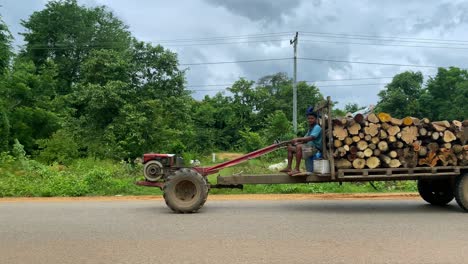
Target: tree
[129, 103]
[5, 47]
[401, 96]
[29, 102]
[67, 33]
[447, 94]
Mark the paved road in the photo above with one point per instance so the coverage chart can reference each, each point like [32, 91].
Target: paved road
[364, 231]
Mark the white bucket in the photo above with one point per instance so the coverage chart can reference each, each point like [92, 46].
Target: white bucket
[322, 166]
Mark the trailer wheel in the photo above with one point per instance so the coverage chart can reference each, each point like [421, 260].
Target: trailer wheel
[185, 191]
[461, 191]
[436, 191]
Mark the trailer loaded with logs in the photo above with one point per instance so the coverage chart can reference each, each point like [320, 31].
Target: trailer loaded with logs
[356, 148]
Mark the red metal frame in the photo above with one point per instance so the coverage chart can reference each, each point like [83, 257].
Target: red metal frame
[257, 153]
[151, 156]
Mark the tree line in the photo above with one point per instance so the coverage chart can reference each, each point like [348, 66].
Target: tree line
[82, 86]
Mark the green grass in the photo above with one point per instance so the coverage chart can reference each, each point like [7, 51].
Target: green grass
[90, 177]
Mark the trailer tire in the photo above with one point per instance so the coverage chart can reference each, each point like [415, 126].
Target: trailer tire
[436, 191]
[185, 191]
[461, 191]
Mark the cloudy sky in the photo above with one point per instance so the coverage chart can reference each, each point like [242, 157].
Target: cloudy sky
[388, 33]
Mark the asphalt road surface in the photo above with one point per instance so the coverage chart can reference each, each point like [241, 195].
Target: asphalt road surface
[293, 231]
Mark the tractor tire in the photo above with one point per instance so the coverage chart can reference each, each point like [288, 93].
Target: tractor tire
[185, 191]
[461, 191]
[436, 191]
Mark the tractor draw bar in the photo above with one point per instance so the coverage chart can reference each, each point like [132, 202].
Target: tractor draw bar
[257, 153]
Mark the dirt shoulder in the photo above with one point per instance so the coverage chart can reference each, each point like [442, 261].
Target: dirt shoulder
[233, 197]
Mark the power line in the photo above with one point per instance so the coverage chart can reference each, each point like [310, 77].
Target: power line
[319, 86]
[381, 37]
[370, 63]
[309, 59]
[329, 80]
[380, 44]
[228, 37]
[232, 62]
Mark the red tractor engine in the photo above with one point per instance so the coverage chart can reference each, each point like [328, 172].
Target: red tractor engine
[158, 166]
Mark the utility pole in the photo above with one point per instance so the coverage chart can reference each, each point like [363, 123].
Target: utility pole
[294, 41]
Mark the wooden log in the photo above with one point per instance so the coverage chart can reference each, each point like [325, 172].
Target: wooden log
[416, 121]
[353, 150]
[385, 159]
[337, 143]
[396, 122]
[359, 163]
[348, 141]
[368, 138]
[376, 152]
[425, 121]
[444, 123]
[422, 151]
[361, 135]
[340, 132]
[408, 121]
[372, 162]
[398, 144]
[435, 136]
[438, 128]
[416, 146]
[340, 152]
[372, 118]
[354, 129]
[343, 164]
[356, 139]
[409, 134]
[372, 129]
[368, 152]
[447, 145]
[449, 136]
[391, 139]
[407, 157]
[385, 126]
[447, 157]
[351, 157]
[422, 131]
[383, 134]
[393, 130]
[457, 149]
[344, 121]
[375, 140]
[372, 146]
[383, 146]
[457, 124]
[362, 145]
[395, 163]
[359, 118]
[430, 160]
[360, 154]
[433, 147]
[393, 154]
[384, 117]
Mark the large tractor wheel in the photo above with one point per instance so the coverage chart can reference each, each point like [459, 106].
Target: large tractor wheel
[436, 191]
[461, 191]
[185, 191]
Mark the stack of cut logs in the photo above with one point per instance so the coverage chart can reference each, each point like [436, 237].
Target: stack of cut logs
[379, 140]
